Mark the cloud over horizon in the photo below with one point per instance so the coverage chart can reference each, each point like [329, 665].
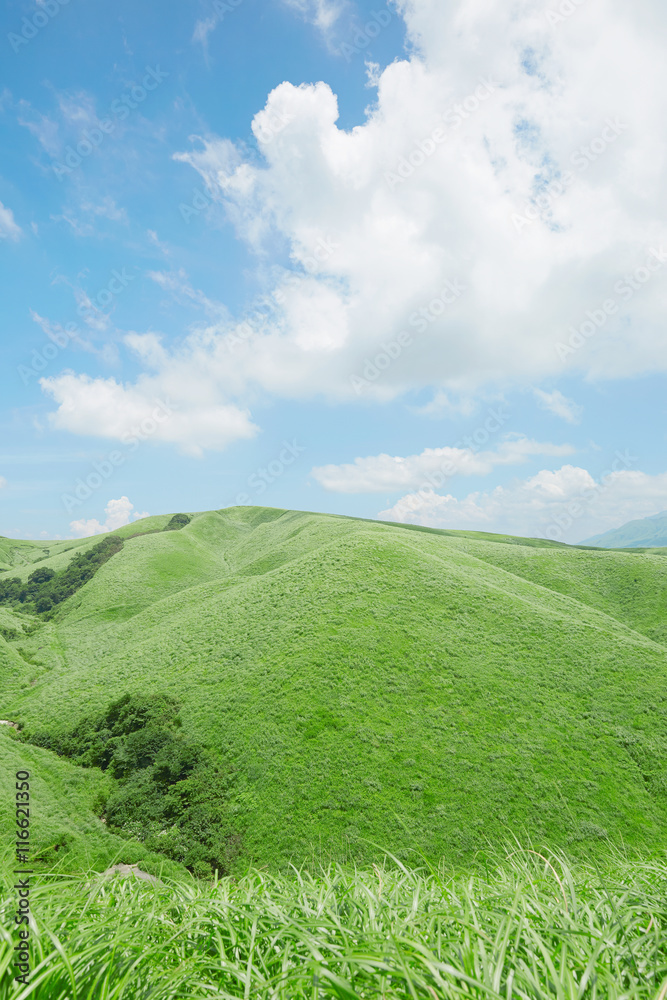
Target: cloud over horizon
[118, 513]
[567, 505]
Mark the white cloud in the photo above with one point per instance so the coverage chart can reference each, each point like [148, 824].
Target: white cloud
[119, 513]
[387, 473]
[322, 13]
[57, 333]
[107, 209]
[515, 99]
[451, 217]
[3, 482]
[78, 226]
[157, 242]
[179, 407]
[44, 129]
[558, 404]
[86, 226]
[202, 30]
[566, 505]
[75, 112]
[177, 284]
[8, 227]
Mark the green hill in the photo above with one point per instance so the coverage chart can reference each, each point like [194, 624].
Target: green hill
[354, 683]
[647, 532]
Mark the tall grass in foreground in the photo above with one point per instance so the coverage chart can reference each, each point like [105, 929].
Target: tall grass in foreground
[531, 927]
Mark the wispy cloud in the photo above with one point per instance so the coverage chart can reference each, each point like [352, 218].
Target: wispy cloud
[177, 284]
[387, 473]
[157, 242]
[558, 404]
[203, 29]
[43, 128]
[444, 405]
[78, 226]
[82, 219]
[106, 208]
[9, 230]
[322, 13]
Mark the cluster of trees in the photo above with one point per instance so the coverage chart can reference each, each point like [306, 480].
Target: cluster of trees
[168, 792]
[45, 588]
[177, 522]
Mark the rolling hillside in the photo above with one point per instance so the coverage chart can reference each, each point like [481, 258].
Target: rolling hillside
[364, 685]
[646, 532]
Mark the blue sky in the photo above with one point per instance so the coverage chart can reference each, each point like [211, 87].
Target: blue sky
[216, 218]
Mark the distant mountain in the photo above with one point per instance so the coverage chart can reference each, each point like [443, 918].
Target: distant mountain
[645, 533]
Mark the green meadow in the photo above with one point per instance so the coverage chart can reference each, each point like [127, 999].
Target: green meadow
[361, 683]
[527, 926]
[266, 708]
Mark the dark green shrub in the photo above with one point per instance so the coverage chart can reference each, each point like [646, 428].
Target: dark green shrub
[168, 792]
[45, 588]
[41, 575]
[177, 522]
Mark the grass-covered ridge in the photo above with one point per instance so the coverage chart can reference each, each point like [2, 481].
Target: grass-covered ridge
[532, 927]
[365, 683]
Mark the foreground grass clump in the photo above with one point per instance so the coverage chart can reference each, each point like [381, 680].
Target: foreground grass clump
[531, 927]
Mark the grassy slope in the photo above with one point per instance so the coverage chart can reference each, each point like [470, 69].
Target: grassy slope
[64, 808]
[411, 688]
